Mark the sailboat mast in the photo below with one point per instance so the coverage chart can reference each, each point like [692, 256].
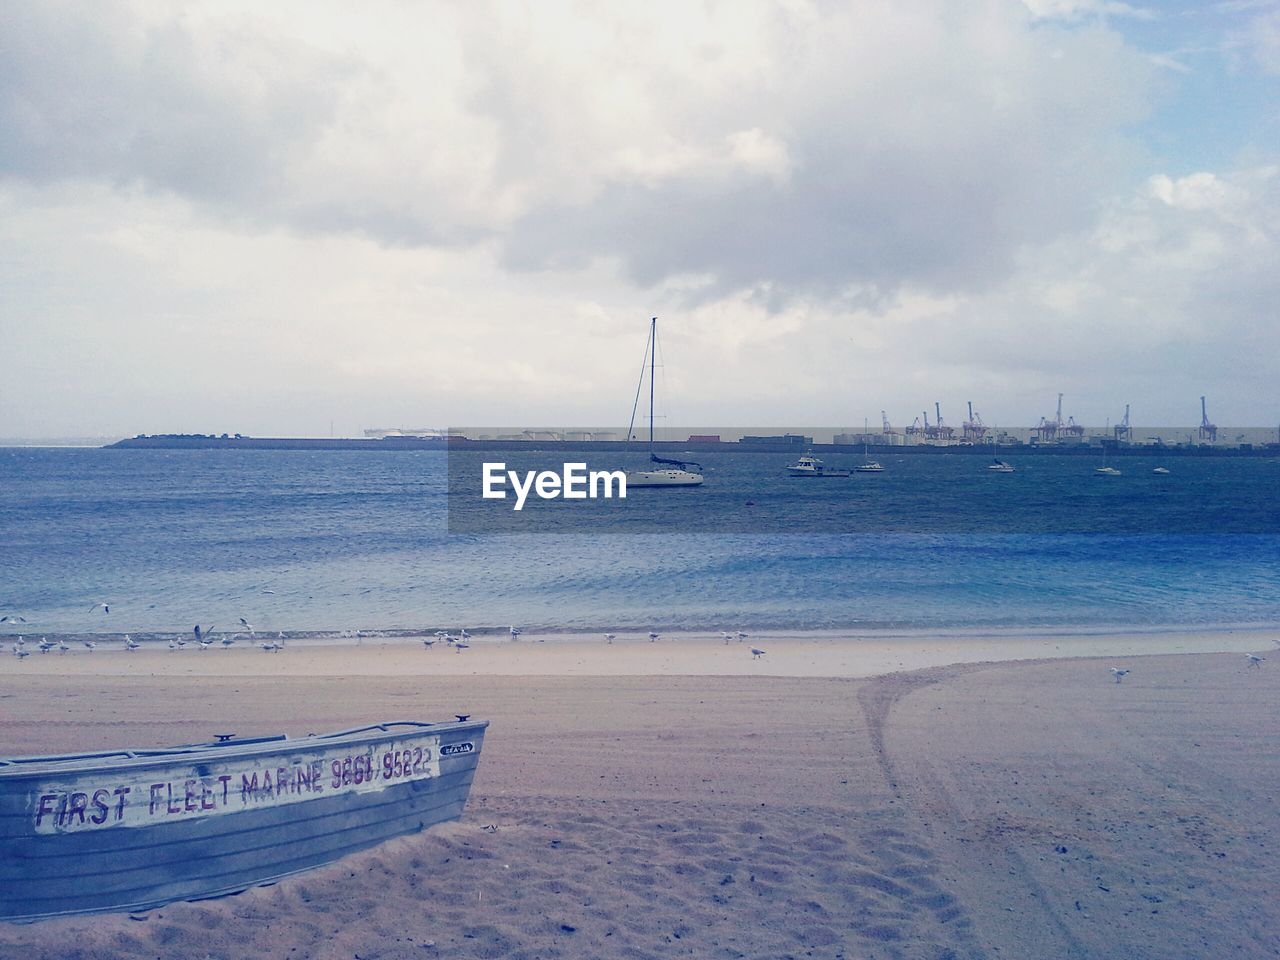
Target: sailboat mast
[653, 350]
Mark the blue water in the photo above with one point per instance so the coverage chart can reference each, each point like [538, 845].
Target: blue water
[338, 540]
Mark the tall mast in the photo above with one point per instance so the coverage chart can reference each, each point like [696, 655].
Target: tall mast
[653, 350]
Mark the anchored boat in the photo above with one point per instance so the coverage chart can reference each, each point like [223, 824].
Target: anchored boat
[135, 829]
[810, 466]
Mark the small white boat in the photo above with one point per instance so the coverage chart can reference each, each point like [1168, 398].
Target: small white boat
[1107, 472]
[1161, 471]
[999, 466]
[868, 465]
[808, 466]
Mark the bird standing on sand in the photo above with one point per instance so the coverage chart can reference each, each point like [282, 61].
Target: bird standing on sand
[460, 646]
[756, 653]
[653, 636]
[227, 642]
[726, 636]
[106, 607]
[741, 636]
[271, 646]
[1119, 674]
[515, 633]
[45, 645]
[130, 643]
[90, 645]
[173, 644]
[20, 651]
[610, 637]
[1254, 660]
[428, 643]
[463, 635]
[63, 648]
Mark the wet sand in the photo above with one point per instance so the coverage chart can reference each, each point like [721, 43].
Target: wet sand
[1015, 809]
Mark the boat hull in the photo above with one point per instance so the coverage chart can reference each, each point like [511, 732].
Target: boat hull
[664, 478]
[95, 834]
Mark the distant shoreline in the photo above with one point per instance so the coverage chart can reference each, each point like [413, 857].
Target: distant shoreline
[196, 442]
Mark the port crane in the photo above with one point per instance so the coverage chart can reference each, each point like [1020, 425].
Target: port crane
[1123, 430]
[974, 429]
[1208, 431]
[887, 430]
[1049, 430]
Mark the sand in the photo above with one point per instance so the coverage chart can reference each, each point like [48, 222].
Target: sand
[1026, 808]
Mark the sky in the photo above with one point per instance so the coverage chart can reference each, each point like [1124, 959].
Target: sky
[294, 218]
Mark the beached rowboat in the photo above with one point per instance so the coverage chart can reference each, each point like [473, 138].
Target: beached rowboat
[130, 830]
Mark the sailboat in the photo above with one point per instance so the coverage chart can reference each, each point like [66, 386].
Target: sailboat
[665, 473]
[868, 465]
[1104, 470]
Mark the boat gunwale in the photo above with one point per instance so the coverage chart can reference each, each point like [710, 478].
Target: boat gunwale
[14, 769]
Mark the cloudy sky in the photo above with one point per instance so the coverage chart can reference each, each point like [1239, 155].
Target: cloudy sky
[269, 217]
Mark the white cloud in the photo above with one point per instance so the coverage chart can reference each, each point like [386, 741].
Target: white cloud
[258, 217]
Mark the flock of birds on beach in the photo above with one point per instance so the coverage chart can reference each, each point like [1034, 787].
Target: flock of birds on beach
[203, 638]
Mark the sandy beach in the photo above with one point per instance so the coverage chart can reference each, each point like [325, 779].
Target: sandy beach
[976, 797]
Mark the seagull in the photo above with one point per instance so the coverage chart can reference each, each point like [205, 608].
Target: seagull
[46, 645]
[20, 652]
[271, 647]
[22, 641]
[741, 636]
[1254, 659]
[726, 635]
[12, 618]
[1119, 674]
[463, 635]
[610, 637]
[205, 643]
[130, 643]
[227, 641]
[756, 653]
[515, 633]
[653, 636]
[62, 647]
[201, 634]
[461, 646]
[428, 643]
[247, 625]
[173, 644]
[106, 607]
[90, 644]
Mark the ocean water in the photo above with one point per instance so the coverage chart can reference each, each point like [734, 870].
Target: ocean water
[340, 540]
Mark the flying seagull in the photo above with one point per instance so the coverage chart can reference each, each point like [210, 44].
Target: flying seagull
[247, 625]
[756, 653]
[12, 618]
[106, 607]
[1119, 674]
[1254, 659]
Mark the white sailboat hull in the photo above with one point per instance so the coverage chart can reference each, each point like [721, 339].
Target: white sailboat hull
[663, 478]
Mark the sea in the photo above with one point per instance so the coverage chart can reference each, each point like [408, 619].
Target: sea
[333, 541]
